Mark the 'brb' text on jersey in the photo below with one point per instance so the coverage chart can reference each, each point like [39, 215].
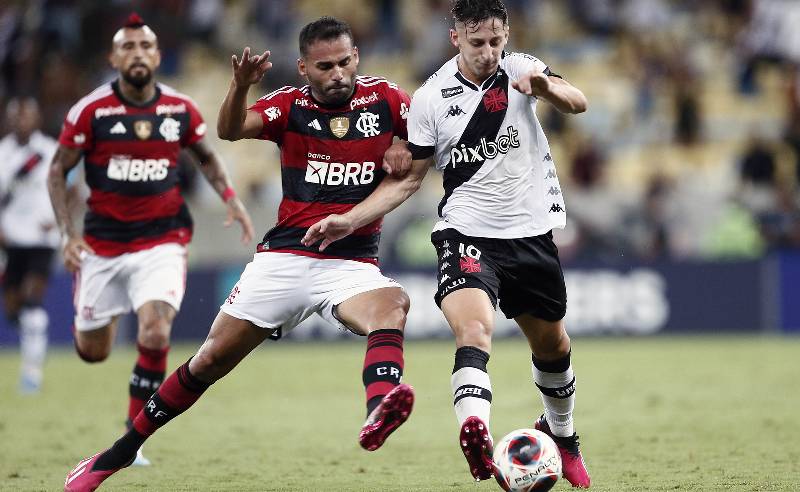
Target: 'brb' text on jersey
[499, 176]
[330, 160]
[130, 153]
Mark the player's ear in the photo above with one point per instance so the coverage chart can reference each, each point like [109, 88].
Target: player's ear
[301, 68]
[157, 61]
[112, 58]
[454, 37]
[355, 55]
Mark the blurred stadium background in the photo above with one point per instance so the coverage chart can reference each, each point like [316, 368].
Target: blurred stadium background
[681, 180]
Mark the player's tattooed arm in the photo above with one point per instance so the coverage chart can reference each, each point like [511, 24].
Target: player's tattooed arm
[392, 191]
[234, 121]
[555, 90]
[214, 171]
[73, 245]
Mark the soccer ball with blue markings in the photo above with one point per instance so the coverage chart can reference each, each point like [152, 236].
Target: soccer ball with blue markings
[527, 460]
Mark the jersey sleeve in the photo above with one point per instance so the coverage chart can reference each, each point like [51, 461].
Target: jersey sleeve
[274, 111]
[521, 63]
[421, 127]
[400, 104]
[197, 126]
[76, 132]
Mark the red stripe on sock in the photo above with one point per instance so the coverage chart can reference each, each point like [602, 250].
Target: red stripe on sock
[152, 359]
[173, 393]
[381, 354]
[379, 389]
[135, 406]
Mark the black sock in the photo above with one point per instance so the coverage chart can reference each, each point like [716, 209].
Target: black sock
[122, 453]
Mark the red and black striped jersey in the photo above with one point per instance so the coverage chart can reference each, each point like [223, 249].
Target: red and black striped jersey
[130, 157]
[330, 160]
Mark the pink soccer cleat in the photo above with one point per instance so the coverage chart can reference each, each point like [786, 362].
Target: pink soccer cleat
[476, 443]
[83, 478]
[390, 414]
[572, 465]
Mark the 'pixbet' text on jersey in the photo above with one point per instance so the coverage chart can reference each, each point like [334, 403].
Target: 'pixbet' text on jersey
[485, 149]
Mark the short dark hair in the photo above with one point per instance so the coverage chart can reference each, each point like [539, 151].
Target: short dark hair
[323, 29]
[473, 12]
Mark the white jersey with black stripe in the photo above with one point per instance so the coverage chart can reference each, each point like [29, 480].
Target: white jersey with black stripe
[26, 216]
[500, 180]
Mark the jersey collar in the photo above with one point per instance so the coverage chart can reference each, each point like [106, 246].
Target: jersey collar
[128, 102]
[486, 83]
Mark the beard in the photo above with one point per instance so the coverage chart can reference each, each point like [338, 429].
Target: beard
[138, 81]
[336, 95]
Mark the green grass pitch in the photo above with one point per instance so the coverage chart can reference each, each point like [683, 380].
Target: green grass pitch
[654, 414]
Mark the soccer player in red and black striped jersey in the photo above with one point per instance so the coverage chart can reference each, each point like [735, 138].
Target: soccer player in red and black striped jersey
[332, 134]
[132, 253]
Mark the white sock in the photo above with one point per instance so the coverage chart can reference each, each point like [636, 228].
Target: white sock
[558, 394]
[472, 394]
[33, 323]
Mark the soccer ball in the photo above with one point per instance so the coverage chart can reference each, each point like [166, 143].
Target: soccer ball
[526, 460]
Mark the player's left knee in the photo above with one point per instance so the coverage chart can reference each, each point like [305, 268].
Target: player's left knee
[399, 313]
[393, 313]
[154, 335]
[557, 343]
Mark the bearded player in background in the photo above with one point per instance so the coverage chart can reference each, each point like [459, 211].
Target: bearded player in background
[132, 254]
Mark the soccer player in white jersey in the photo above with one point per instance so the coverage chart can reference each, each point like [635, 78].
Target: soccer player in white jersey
[28, 233]
[476, 117]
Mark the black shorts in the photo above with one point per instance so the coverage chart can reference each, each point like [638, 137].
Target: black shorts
[523, 274]
[21, 262]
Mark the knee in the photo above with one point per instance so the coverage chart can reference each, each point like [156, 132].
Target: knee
[398, 313]
[92, 353]
[554, 344]
[154, 333]
[207, 365]
[474, 333]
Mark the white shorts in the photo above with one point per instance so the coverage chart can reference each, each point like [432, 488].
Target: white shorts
[109, 286]
[279, 290]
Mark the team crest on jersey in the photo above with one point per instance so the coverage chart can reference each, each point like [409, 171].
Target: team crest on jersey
[143, 129]
[495, 100]
[340, 125]
[170, 129]
[369, 124]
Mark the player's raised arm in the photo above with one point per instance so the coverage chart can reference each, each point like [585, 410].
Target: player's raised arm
[64, 160]
[234, 121]
[392, 191]
[214, 172]
[564, 96]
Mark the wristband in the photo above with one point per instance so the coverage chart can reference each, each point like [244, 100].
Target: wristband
[228, 194]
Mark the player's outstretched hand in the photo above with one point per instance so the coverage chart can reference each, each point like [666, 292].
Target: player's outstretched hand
[73, 251]
[328, 230]
[397, 159]
[237, 212]
[251, 68]
[532, 84]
